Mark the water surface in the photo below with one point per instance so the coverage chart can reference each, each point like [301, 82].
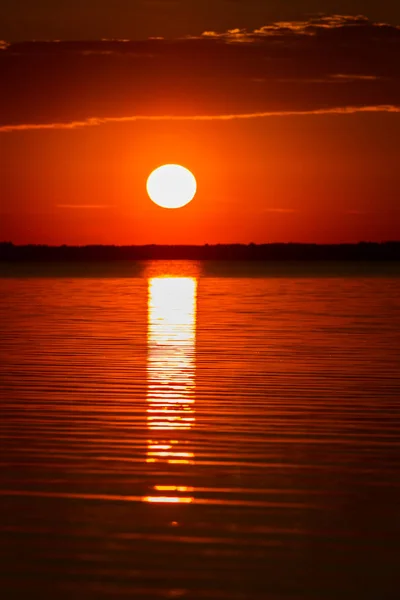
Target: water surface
[188, 430]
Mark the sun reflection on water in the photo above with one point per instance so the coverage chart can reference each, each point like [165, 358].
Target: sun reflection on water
[170, 376]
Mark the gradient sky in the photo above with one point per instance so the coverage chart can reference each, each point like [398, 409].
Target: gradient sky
[289, 119]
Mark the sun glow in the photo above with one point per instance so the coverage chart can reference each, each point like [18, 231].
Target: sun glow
[171, 186]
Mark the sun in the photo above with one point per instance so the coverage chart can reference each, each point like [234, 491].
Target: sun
[171, 186]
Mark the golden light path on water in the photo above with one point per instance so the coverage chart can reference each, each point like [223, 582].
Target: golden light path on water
[171, 368]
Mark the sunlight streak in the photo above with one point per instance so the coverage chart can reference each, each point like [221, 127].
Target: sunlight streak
[170, 374]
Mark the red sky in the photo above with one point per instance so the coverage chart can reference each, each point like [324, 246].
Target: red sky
[317, 159]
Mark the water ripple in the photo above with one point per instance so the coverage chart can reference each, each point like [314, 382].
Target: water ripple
[200, 436]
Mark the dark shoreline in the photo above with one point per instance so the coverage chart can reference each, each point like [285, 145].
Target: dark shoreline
[363, 251]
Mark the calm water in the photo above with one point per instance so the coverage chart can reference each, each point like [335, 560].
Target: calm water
[179, 430]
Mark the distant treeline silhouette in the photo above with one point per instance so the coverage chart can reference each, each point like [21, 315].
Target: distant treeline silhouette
[363, 251]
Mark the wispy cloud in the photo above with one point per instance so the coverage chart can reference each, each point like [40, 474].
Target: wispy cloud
[334, 79]
[352, 77]
[95, 121]
[83, 206]
[281, 210]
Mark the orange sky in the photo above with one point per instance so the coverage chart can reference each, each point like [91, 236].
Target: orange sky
[308, 178]
[303, 172]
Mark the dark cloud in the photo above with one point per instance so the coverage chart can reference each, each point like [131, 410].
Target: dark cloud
[326, 64]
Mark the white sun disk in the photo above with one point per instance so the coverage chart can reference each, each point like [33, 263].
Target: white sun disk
[171, 186]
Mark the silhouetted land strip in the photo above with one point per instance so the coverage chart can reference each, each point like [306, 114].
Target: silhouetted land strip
[363, 251]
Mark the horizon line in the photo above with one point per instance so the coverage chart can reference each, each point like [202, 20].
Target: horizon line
[205, 245]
